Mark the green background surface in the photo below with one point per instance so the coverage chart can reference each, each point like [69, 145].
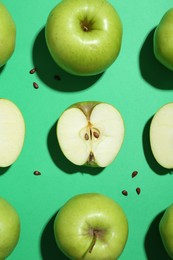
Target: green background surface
[136, 84]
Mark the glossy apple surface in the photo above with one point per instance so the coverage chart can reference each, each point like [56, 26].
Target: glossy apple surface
[9, 228]
[161, 136]
[90, 133]
[166, 230]
[12, 132]
[84, 36]
[7, 35]
[91, 226]
[163, 40]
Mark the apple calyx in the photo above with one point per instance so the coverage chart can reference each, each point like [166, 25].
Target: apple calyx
[86, 25]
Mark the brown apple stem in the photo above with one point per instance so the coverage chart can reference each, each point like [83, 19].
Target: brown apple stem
[93, 242]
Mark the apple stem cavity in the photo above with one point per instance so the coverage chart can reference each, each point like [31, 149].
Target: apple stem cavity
[93, 242]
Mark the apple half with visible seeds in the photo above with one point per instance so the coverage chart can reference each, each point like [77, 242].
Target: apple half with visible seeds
[90, 133]
[161, 136]
[12, 132]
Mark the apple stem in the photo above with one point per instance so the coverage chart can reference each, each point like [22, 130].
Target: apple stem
[93, 242]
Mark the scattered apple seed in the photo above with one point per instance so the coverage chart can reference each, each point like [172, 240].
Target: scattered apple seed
[138, 190]
[35, 85]
[32, 71]
[124, 192]
[37, 173]
[134, 173]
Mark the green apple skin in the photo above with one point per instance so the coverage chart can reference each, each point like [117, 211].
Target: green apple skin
[85, 215]
[163, 40]
[166, 230]
[84, 36]
[9, 228]
[7, 35]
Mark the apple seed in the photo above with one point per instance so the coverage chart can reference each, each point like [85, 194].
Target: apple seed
[37, 173]
[86, 137]
[32, 71]
[96, 134]
[124, 192]
[138, 190]
[35, 85]
[134, 174]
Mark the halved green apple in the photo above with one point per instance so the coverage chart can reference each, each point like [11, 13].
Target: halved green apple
[90, 133]
[12, 132]
[161, 136]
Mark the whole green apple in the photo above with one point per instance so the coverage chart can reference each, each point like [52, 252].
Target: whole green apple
[9, 228]
[84, 36]
[91, 226]
[163, 40]
[90, 133]
[166, 230]
[7, 35]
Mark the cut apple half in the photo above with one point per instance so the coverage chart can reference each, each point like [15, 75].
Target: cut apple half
[12, 132]
[161, 136]
[90, 133]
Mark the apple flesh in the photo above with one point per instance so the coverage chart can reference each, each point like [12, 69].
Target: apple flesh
[12, 132]
[84, 36]
[9, 228]
[7, 35]
[161, 136]
[163, 40]
[91, 226]
[166, 230]
[90, 133]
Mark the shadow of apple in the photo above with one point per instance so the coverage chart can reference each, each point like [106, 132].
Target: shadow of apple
[153, 244]
[61, 161]
[151, 69]
[48, 247]
[3, 170]
[52, 75]
[2, 68]
[148, 152]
